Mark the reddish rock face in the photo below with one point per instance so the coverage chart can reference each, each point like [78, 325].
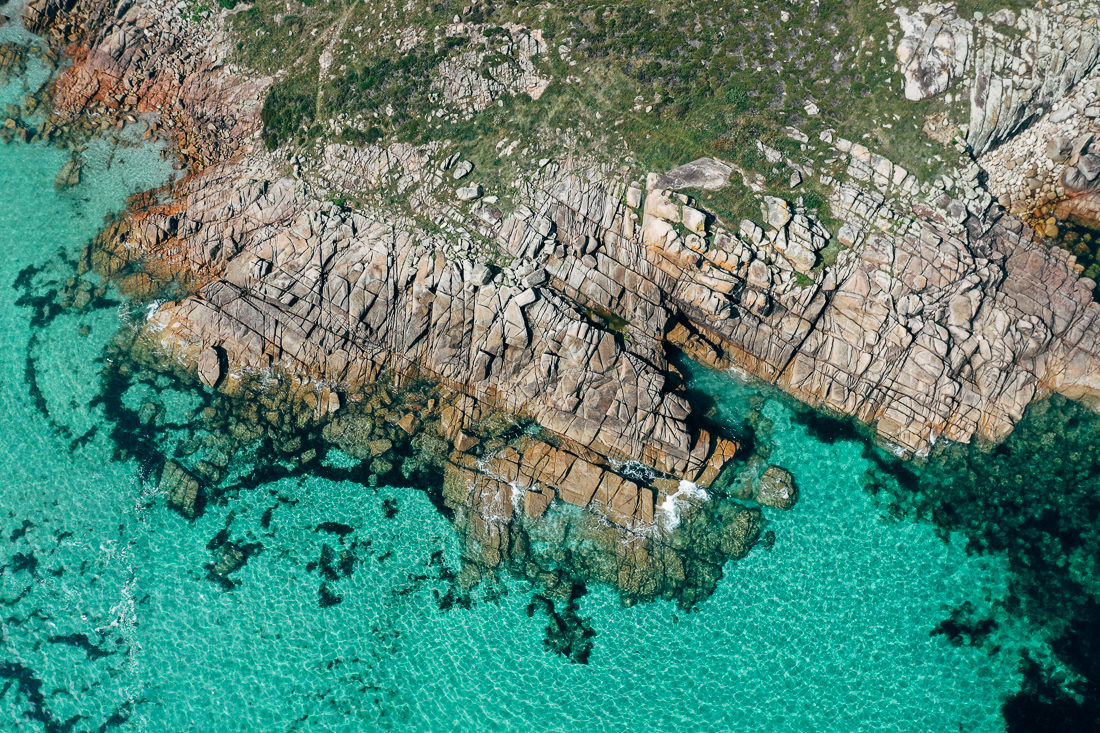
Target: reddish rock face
[139, 63]
[540, 471]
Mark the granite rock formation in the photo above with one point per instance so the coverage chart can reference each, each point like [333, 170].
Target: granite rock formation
[941, 316]
[1013, 66]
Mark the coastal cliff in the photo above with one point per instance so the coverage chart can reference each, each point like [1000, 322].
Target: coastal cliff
[557, 294]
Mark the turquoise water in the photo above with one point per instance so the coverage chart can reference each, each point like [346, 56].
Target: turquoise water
[110, 618]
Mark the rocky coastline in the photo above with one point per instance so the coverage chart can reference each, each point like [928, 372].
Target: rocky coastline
[553, 311]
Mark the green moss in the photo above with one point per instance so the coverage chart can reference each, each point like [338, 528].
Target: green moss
[831, 252]
[802, 280]
[730, 204]
[817, 202]
[967, 8]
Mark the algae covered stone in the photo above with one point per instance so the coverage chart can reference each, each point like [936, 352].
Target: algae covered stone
[181, 489]
[776, 488]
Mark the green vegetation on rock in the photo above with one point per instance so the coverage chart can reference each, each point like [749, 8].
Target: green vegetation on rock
[652, 84]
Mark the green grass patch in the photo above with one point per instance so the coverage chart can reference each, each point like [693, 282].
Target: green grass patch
[651, 84]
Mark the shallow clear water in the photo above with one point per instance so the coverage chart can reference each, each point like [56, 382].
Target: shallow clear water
[109, 617]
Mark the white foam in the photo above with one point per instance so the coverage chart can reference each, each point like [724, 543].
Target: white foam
[740, 374]
[670, 508]
[517, 493]
[152, 308]
[484, 465]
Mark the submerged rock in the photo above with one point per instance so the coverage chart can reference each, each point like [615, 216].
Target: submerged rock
[567, 633]
[181, 489]
[494, 305]
[353, 434]
[776, 488]
[70, 173]
[229, 557]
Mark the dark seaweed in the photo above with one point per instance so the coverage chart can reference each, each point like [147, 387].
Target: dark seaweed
[1035, 498]
[567, 632]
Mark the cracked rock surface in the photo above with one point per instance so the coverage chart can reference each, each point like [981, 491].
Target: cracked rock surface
[942, 316]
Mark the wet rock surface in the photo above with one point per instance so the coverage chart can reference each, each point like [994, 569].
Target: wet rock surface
[70, 173]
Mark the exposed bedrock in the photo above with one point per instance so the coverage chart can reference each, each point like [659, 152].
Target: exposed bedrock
[938, 319]
[132, 58]
[284, 281]
[341, 296]
[941, 316]
[1011, 66]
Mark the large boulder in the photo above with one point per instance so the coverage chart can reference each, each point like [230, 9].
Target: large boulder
[1089, 165]
[709, 174]
[933, 49]
[69, 174]
[210, 366]
[776, 211]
